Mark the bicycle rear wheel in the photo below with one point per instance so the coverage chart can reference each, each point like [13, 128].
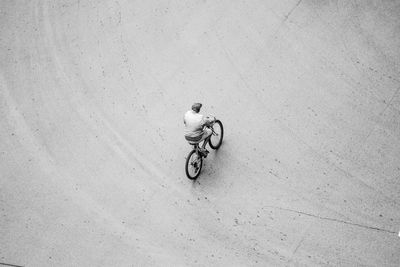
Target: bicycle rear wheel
[217, 135]
[194, 162]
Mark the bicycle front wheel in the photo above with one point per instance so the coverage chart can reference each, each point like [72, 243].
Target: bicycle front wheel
[194, 162]
[217, 135]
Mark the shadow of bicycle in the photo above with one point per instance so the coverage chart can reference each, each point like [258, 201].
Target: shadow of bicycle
[215, 168]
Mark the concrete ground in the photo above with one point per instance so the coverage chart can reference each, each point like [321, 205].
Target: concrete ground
[92, 96]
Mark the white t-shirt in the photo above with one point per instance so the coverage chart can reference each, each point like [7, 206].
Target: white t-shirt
[194, 123]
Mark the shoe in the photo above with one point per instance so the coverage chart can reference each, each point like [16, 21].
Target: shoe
[204, 152]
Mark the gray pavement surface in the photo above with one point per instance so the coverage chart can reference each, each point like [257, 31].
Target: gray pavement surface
[92, 95]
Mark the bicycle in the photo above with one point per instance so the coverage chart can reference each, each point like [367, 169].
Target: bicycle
[194, 161]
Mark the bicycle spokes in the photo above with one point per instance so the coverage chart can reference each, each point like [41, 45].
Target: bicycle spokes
[195, 164]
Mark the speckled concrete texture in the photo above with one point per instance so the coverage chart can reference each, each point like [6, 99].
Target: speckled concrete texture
[92, 153]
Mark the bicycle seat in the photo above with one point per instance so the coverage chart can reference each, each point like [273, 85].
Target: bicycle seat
[194, 143]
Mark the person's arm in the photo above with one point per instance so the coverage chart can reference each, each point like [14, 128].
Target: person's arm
[207, 120]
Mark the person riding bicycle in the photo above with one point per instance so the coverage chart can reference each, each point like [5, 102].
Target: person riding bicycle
[196, 127]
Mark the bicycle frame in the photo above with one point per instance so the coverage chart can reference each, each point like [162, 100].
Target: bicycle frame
[197, 161]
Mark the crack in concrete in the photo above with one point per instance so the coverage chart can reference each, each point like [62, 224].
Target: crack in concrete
[291, 11]
[286, 17]
[8, 264]
[380, 114]
[334, 220]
